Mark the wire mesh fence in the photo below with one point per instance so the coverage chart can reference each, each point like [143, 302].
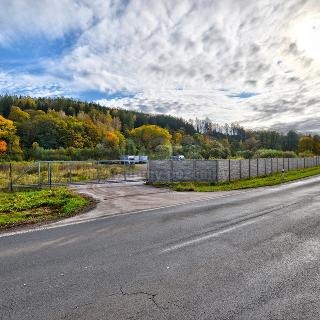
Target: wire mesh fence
[52, 173]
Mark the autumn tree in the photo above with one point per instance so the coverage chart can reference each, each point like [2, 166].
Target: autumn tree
[8, 138]
[18, 115]
[3, 147]
[306, 144]
[150, 136]
[316, 145]
[115, 139]
[7, 129]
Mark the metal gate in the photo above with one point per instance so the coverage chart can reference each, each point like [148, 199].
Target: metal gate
[59, 173]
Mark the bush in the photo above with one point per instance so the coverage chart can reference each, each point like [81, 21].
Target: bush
[271, 153]
[289, 154]
[306, 154]
[246, 154]
[97, 153]
[268, 153]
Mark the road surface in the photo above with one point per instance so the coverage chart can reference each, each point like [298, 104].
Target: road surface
[252, 255]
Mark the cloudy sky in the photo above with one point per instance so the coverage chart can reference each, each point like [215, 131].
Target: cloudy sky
[252, 61]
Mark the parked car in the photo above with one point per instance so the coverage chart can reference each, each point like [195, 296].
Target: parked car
[133, 159]
[143, 159]
[178, 157]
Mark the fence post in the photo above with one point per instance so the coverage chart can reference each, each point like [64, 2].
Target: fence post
[10, 177]
[125, 171]
[194, 170]
[240, 169]
[171, 170]
[98, 171]
[257, 167]
[304, 163]
[265, 166]
[70, 172]
[229, 170]
[249, 168]
[217, 170]
[271, 165]
[39, 173]
[49, 174]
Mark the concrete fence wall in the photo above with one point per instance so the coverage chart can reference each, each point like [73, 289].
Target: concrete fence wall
[223, 170]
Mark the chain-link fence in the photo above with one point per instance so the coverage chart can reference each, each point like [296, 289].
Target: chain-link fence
[53, 173]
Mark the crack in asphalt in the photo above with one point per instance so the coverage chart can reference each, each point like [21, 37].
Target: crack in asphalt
[151, 296]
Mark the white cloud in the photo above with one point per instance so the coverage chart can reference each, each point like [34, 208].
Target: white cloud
[31, 85]
[208, 49]
[20, 19]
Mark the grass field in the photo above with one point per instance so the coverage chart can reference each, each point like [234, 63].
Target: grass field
[242, 184]
[30, 207]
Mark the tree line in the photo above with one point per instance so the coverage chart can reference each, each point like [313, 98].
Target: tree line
[68, 129]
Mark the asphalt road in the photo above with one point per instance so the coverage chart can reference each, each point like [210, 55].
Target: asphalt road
[253, 255]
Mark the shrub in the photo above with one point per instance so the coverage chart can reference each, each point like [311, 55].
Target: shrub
[246, 154]
[306, 154]
[268, 153]
[289, 154]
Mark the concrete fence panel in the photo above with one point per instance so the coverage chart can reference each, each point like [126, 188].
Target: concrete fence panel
[235, 168]
[254, 168]
[182, 170]
[268, 166]
[205, 170]
[160, 171]
[261, 167]
[274, 165]
[244, 168]
[223, 170]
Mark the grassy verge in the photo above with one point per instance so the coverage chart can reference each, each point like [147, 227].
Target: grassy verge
[30, 207]
[241, 184]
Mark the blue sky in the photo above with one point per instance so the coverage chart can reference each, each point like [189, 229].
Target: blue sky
[255, 62]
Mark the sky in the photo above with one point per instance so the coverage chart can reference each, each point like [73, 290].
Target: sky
[256, 62]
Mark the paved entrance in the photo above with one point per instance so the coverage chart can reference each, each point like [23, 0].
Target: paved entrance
[135, 196]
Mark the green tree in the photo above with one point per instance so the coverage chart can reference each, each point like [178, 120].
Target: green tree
[292, 141]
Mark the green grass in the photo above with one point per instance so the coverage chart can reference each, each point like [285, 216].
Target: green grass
[30, 207]
[241, 184]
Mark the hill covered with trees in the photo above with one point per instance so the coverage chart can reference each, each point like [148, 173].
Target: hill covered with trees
[67, 129]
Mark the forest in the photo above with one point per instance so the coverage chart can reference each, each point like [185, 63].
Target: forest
[68, 129]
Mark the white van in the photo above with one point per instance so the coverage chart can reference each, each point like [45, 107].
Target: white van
[178, 157]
